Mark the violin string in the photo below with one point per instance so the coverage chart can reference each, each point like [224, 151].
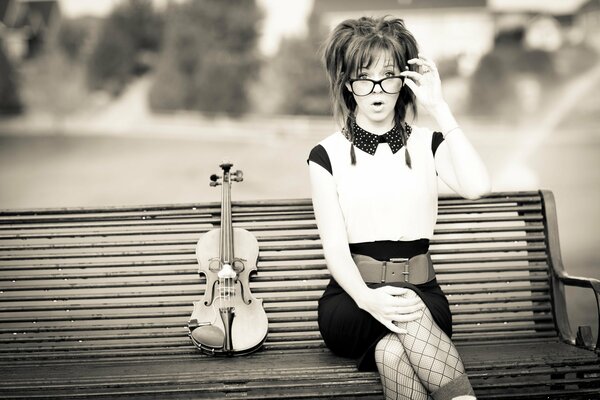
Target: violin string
[221, 292]
[229, 289]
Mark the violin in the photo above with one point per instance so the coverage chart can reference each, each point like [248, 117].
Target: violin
[228, 320]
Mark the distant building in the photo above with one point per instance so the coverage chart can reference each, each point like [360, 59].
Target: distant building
[548, 24]
[466, 29]
[588, 20]
[444, 29]
[26, 25]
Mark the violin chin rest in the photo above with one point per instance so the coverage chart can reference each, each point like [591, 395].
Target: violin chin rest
[209, 336]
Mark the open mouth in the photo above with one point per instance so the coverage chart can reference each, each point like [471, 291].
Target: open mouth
[377, 103]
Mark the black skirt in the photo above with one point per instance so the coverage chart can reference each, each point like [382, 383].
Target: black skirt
[349, 331]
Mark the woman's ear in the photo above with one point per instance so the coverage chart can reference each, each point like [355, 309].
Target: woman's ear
[348, 86]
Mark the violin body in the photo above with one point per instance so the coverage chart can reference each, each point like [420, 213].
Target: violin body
[228, 319]
[250, 325]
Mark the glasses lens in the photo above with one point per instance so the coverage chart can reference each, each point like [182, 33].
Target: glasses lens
[362, 87]
[391, 85]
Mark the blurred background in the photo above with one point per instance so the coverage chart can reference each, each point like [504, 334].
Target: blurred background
[110, 102]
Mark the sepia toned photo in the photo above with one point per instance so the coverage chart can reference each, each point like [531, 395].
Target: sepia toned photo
[299, 199]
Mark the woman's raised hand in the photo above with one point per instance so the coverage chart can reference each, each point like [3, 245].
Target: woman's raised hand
[390, 305]
[426, 84]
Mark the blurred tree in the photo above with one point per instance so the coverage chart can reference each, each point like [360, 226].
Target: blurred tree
[491, 86]
[126, 36]
[498, 84]
[514, 81]
[111, 63]
[10, 101]
[295, 76]
[299, 65]
[72, 36]
[208, 58]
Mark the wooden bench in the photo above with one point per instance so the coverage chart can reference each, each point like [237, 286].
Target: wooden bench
[94, 303]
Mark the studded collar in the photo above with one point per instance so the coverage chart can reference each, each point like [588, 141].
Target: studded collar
[368, 142]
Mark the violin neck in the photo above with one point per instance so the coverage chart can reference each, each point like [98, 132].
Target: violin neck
[226, 245]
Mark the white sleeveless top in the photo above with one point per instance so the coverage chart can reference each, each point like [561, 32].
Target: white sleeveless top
[381, 198]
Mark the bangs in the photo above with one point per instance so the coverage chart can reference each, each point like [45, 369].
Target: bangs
[365, 51]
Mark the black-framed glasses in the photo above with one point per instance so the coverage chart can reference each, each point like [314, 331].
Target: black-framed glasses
[365, 86]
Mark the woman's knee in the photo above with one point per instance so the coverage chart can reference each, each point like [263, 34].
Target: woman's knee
[389, 348]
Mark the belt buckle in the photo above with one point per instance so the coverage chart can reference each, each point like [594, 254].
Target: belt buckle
[406, 272]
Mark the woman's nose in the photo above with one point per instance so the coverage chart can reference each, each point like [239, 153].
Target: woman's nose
[377, 88]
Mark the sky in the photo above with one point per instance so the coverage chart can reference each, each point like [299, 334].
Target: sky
[282, 18]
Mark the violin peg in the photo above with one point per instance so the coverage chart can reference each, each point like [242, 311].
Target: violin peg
[239, 176]
[214, 180]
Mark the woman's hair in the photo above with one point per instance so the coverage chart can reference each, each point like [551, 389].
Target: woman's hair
[354, 44]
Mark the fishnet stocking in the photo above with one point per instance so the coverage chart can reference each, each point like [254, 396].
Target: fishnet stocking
[431, 353]
[397, 374]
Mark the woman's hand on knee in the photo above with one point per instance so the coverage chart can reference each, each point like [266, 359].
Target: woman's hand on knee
[390, 305]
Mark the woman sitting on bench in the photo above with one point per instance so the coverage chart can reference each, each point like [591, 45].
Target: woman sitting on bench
[374, 190]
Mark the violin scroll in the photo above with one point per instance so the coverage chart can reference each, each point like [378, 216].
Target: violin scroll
[237, 176]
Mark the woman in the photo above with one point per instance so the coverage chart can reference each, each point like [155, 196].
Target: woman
[374, 191]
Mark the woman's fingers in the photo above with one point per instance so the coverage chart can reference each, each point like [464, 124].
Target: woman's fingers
[398, 296]
[390, 325]
[407, 317]
[398, 307]
[391, 321]
[403, 302]
[403, 306]
[412, 86]
[426, 64]
[410, 308]
[422, 60]
[395, 290]
[412, 74]
[411, 312]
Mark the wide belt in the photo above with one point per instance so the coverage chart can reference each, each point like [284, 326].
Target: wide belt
[415, 270]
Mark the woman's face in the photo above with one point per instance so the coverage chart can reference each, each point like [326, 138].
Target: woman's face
[375, 111]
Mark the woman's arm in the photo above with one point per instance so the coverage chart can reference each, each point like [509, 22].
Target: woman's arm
[386, 304]
[332, 231]
[457, 162]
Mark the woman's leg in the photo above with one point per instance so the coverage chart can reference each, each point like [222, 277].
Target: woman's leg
[397, 374]
[434, 358]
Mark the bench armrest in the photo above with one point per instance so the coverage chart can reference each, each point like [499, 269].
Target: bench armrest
[579, 281]
[583, 282]
[560, 277]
